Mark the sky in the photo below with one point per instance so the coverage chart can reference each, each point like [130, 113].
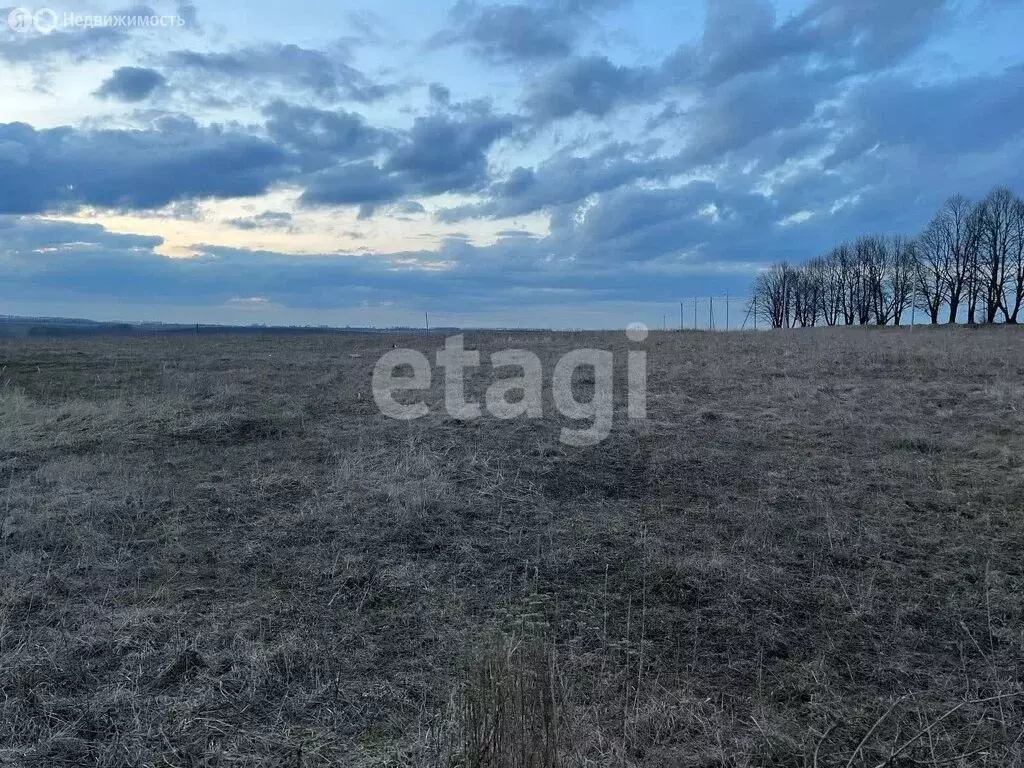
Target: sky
[532, 163]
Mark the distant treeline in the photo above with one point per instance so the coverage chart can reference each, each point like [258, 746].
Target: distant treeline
[21, 327]
[970, 258]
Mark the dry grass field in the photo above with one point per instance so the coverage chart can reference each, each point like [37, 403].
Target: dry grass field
[216, 552]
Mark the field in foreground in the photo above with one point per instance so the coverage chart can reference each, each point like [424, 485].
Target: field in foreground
[215, 552]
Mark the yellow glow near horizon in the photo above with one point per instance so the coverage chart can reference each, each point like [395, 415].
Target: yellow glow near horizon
[308, 232]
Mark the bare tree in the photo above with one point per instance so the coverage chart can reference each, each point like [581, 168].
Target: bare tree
[996, 215]
[1015, 265]
[933, 265]
[900, 276]
[848, 273]
[833, 284]
[974, 285]
[876, 255]
[773, 292]
[968, 256]
[807, 290]
[958, 223]
[860, 279]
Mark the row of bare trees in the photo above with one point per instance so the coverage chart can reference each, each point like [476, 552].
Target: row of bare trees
[969, 258]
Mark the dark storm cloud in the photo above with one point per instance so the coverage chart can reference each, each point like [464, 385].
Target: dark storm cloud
[63, 168]
[130, 84]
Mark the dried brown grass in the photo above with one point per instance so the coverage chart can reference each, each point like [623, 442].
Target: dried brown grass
[215, 552]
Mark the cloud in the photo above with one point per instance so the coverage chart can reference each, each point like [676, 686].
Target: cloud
[770, 91]
[439, 94]
[22, 237]
[75, 43]
[516, 271]
[774, 113]
[519, 32]
[445, 154]
[323, 137]
[504, 33]
[871, 34]
[324, 74]
[883, 159]
[84, 42]
[843, 37]
[749, 107]
[265, 220]
[819, 119]
[353, 184]
[564, 179]
[591, 85]
[408, 208]
[935, 120]
[828, 43]
[130, 84]
[176, 159]
[187, 11]
[442, 152]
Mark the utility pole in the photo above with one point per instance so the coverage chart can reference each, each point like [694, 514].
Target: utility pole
[664, 322]
[711, 313]
[680, 315]
[695, 313]
[755, 313]
[426, 321]
[727, 310]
